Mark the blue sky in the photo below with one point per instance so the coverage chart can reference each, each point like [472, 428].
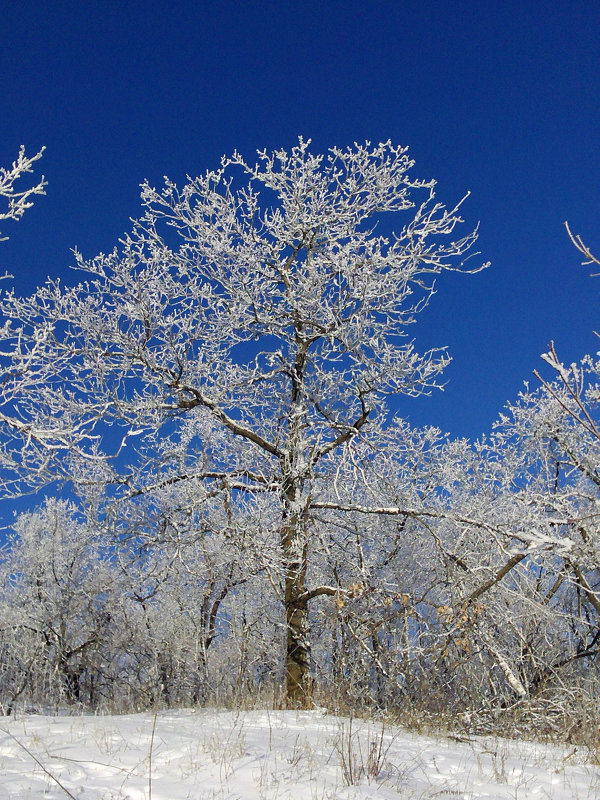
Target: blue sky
[500, 99]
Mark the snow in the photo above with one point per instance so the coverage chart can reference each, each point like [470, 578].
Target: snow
[273, 755]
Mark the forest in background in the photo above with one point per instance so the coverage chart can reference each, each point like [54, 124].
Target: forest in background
[243, 521]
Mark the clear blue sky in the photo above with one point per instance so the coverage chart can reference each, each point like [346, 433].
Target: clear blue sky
[502, 99]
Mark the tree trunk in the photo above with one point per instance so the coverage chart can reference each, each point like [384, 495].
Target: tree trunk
[297, 659]
[297, 666]
[294, 542]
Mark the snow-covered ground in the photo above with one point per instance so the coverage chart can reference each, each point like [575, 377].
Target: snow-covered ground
[215, 755]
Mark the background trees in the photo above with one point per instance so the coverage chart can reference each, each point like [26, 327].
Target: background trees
[57, 600]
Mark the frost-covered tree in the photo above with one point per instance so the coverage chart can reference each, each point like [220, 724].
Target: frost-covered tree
[57, 592]
[244, 340]
[13, 204]
[561, 424]
[522, 514]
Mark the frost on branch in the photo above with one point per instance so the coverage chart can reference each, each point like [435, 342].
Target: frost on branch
[18, 201]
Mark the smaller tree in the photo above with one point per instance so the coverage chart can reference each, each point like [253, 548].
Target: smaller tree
[56, 585]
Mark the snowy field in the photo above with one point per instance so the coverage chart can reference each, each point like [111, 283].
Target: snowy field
[210, 755]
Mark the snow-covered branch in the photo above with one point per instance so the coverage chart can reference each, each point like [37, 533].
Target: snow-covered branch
[19, 200]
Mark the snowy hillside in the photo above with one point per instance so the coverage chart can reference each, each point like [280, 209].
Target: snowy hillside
[209, 755]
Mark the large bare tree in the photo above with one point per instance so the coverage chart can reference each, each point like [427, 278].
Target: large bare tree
[243, 339]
